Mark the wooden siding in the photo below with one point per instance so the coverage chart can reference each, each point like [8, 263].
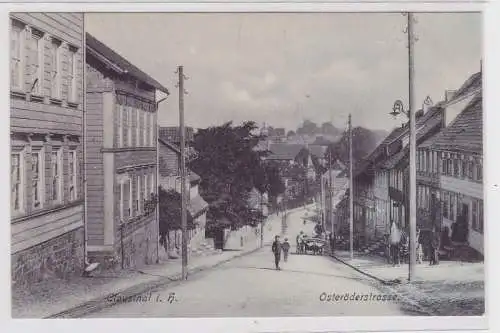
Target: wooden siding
[69, 30]
[94, 168]
[39, 117]
[134, 157]
[40, 229]
[462, 186]
[168, 161]
[131, 89]
[65, 26]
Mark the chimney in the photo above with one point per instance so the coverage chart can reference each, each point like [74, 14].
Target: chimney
[448, 95]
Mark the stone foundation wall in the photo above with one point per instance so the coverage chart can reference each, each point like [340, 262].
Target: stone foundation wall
[61, 257]
[139, 243]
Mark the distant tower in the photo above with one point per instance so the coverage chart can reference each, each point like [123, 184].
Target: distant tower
[264, 131]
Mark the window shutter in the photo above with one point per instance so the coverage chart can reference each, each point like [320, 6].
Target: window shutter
[63, 63]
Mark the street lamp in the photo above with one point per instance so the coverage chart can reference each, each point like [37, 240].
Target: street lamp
[398, 109]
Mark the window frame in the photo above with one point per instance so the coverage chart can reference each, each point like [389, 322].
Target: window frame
[119, 121]
[139, 199]
[37, 37]
[58, 152]
[128, 112]
[137, 127]
[19, 29]
[56, 68]
[22, 178]
[72, 74]
[151, 129]
[73, 182]
[40, 188]
[145, 129]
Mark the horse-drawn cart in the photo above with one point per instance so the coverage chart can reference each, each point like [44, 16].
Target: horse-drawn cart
[312, 245]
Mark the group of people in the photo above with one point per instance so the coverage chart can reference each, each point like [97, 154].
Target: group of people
[399, 243]
[279, 247]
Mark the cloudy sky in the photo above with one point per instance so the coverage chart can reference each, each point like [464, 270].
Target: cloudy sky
[284, 68]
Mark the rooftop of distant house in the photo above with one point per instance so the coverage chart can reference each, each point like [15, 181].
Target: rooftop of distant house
[464, 133]
[119, 64]
[284, 151]
[172, 134]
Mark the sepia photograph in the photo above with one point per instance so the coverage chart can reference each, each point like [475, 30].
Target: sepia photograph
[215, 165]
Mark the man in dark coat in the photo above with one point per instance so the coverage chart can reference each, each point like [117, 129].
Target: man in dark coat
[276, 248]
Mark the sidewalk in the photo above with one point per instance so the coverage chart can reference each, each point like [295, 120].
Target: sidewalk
[448, 289]
[82, 295]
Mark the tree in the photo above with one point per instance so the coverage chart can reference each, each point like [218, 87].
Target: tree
[290, 133]
[170, 211]
[230, 168]
[308, 127]
[327, 128]
[364, 141]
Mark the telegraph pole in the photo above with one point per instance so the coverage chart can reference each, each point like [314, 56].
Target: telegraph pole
[182, 130]
[331, 197]
[413, 169]
[351, 193]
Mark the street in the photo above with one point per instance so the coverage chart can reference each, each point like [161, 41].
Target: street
[250, 286]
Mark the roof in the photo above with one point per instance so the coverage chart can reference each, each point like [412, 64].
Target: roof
[284, 151]
[172, 133]
[317, 150]
[465, 132]
[169, 145]
[118, 63]
[474, 82]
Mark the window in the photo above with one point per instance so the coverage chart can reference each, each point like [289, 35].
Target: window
[137, 127]
[130, 199]
[146, 127]
[55, 70]
[153, 185]
[446, 201]
[36, 60]
[125, 126]
[125, 210]
[419, 168]
[128, 111]
[37, 183]
[465, 170]
[73, 163]
[72, 70]
[16, 182]
[139, 198]
[474, 215]
[456, 171]
[56, 167]
[145, 188]
[480, 217]
[140, 129]
[444, 165]
[16, 55]
[119, 121]
[479, 172]
[453, 199]
[151, 130]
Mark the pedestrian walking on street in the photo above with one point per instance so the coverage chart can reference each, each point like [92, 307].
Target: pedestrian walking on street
[286, 247]
[276, 248]
[434, 255]
[395, 239]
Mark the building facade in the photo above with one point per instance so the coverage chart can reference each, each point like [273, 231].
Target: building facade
[46, 136]
[170, 179]
[459, 170]
[121, 159]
